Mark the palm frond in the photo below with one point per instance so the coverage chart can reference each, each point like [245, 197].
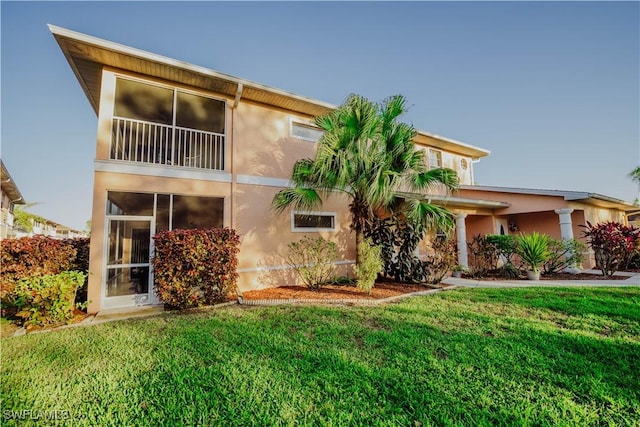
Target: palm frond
[427, 216]
[431, 179]
[297, 198]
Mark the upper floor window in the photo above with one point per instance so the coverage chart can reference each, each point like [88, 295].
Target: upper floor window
[306, 131]
[435, 159]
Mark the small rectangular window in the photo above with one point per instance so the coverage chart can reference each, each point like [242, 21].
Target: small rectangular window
[435, 159]
[306, 132]
[313, 221]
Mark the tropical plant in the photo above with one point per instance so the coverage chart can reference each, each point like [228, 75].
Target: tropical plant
[564, 253]
[483, 255]
[635, 175]
[370, 265]
[441, 259]
[613, 244]
[312, 260]
[533, 249]
[505, 246]
[367, 154]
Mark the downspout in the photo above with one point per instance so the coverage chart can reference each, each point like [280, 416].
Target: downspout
[473, 175]
[232, 156]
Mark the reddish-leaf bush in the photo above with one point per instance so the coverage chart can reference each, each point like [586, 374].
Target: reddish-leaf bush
[33, 256]
[195, 267]
[81, 260]
[613, 244]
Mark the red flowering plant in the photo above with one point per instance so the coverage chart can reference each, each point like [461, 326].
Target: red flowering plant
[613, 244]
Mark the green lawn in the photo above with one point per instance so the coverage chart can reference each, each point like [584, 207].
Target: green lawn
[463, 357]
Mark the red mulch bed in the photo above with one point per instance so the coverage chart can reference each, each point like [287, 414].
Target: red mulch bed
[379, 291]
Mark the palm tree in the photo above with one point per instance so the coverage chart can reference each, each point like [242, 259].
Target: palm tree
[635, 175]
[367, 154]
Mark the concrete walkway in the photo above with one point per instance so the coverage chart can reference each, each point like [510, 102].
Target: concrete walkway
[633, 279]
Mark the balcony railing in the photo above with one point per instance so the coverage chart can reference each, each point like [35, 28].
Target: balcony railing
[154, 143]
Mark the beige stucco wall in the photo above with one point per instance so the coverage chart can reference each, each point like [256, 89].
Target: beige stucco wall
[265, 236]
[259, 149]
[263, 143]
[595, 214]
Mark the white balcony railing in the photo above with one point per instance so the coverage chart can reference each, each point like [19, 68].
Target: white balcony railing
[154, 143]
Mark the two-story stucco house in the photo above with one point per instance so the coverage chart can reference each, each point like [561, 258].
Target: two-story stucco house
[182, 146]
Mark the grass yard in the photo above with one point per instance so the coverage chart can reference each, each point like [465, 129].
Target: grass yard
[462, 357]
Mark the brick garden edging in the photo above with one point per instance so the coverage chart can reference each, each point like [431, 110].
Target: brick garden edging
[345, 301]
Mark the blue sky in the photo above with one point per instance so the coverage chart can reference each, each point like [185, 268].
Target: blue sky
[551, 88]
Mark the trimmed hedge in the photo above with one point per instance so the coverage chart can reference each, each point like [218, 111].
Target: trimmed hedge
[195, 267]
[32, 256]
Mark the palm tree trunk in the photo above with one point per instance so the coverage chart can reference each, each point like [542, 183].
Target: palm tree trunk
[359, 240]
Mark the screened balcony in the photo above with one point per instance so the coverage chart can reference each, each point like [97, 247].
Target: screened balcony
[165, 126]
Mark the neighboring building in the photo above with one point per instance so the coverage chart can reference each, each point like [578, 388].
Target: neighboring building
[9, 197]
[182, 146]
[9, 228]
[560, 214]
[44, 227]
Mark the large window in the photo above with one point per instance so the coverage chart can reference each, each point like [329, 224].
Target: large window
[171, 211]
[313, 221]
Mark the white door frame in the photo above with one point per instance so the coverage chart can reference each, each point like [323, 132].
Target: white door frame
[132, 300]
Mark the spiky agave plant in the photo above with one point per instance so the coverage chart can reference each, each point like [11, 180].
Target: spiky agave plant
[533, 250]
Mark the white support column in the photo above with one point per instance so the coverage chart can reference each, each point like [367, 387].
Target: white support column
[461, 236]
[566, 232]
[566, 226]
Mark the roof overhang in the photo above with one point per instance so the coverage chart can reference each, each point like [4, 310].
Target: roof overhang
[87, 55]
[593, 199]
[451, 145]
[9, 187]
[458, 202]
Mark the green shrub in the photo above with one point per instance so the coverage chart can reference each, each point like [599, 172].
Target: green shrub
[370, 265]
[32, 256]
[312, 260]
[563, 254]
[47, 299]
[195, 267]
